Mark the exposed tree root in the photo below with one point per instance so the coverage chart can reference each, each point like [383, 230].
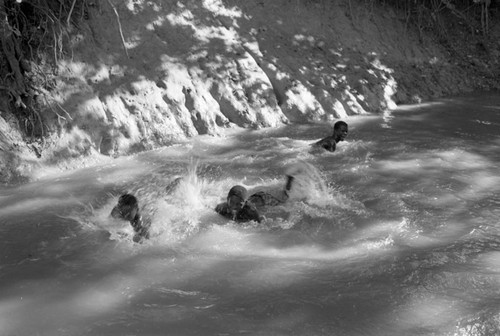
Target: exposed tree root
[119, 27]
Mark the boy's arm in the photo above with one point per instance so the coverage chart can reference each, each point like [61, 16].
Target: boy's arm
[222, 209]
[141, 228]
[288, 187]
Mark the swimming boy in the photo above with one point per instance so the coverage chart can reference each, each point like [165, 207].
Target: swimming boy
[241, 208]
[340, 130]
[237, 208]
[128, 209]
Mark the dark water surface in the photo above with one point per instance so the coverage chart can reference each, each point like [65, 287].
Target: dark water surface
[396, 233]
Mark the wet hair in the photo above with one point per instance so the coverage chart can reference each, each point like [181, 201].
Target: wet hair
[239, 191]
[338, 124]
[127, 203]
[127, 200]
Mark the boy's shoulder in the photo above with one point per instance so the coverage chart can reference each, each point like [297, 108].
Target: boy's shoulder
[327, 143]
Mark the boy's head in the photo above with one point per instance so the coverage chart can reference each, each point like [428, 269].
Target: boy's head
[127, 207]
[236, 197]
[340, 130]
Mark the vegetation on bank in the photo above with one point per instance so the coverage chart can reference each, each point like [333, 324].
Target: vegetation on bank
[37, 35]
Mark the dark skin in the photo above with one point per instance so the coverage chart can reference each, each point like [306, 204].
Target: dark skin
[340, 130]
[128, 209]
[236, 208]
[265, 199]
[241, 208]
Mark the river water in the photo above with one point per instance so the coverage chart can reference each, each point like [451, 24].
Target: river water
[395, 233]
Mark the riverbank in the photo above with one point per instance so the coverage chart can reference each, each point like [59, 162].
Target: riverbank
[147, 74]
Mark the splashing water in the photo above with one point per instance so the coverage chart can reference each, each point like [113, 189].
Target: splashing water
[395, 233]
[183, 207]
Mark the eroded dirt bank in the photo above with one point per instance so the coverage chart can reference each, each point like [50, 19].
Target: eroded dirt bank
[153, 73]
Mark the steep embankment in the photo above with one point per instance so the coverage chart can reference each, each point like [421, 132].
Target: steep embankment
[146, 74]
